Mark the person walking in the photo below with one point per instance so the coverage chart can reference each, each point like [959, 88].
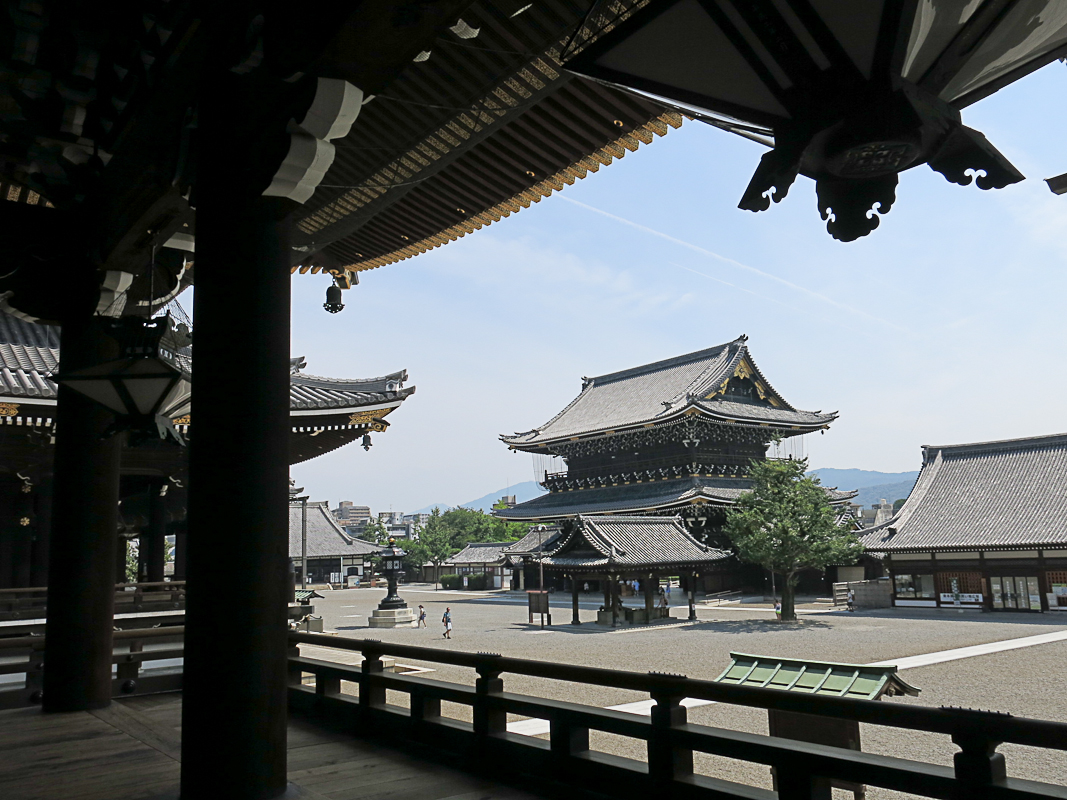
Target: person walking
[447, 621]
[778, 609]
[422, 618]
[851, 599]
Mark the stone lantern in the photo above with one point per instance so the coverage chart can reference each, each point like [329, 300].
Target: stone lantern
[392, 612]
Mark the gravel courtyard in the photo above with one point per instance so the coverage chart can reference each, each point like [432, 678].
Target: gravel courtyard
[1023, 682]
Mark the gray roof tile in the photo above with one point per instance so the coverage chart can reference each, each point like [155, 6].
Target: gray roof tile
[325, 538]
[479, 553]
[631, 543]
[1004, 494]
[661, 391]
[29, 353]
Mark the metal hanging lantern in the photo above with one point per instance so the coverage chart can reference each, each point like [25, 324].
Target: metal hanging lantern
[148, 386]
[848, 94]
[334, 302]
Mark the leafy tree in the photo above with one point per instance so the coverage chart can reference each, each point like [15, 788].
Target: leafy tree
[466, 525]
[374, 531]
[433, 544]
[897, 504]
[786, 524]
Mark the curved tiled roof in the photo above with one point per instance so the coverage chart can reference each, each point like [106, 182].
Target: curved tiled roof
[629, 497]
[1009, 494]
[325, 538]
[631, 542]
[479, 553]
[663, 391]
[29, 353]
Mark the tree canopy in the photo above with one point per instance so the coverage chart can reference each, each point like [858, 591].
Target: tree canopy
[786, 524]
[448, 532]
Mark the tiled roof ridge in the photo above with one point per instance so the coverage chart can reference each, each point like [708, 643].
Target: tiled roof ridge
[997, 445]
[347, 383]
[666, 363]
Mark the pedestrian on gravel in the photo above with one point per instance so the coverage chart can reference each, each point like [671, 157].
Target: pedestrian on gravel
[422, 618]
[663, 602]
[778, 609]
[447, 621]
[851, 599]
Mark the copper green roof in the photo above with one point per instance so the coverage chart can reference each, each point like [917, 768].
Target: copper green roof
[857, 681]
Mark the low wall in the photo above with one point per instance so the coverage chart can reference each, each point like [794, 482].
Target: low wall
[877, 593]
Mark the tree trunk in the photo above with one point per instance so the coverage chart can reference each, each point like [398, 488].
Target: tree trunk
[789, 586]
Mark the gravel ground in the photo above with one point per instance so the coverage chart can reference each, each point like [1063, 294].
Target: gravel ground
[1015, 681]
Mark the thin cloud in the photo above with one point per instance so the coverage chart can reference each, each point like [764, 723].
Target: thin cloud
[711, 254]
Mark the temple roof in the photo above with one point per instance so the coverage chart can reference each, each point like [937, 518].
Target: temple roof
[479, 553]
[597, 543]
[325, 538]
[631, 497]
[29, 353]
[1009, 494]
[637, 497]
[666, 390]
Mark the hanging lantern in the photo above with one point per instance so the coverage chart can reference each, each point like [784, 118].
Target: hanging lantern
[149, 384]
[366, 441]
[334, 302]
[848, 94]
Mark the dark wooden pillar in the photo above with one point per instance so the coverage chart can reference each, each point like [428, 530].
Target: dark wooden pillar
[574, 601]
[8, 523]
[154, 536]
[42, 534]
[181, 549]
[234, 698]
[691, 589]
[85, 502]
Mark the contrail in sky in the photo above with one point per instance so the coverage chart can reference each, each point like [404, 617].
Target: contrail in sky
[711, 254]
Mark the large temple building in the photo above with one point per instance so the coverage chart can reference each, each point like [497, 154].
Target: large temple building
[983, 528]
[325, 414]
[675, 437]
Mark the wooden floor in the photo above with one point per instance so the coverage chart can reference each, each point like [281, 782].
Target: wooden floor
[132, 750]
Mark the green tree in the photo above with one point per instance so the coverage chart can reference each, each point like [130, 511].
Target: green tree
[466, 525]
[374, 531]
[897, 504]
[433, 544]
[786, 524]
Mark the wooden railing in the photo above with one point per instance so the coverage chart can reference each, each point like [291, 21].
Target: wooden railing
[138, 670]
[31, 603]
[804, 770]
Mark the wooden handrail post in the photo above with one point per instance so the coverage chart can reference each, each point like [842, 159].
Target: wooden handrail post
[667, 761]
[977, 764]
[370, 695]
[423, 710]
[35, 674]
[794, 782]
[566, 741]
[488, 721]
[294, 675]
[127, 671]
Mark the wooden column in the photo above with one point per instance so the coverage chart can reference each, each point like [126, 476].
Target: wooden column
[22, 539]
[234, 703]
[42, 534]
[574, 601]
[85, 502]
[154, 536]
[613, 583]
[7, 534]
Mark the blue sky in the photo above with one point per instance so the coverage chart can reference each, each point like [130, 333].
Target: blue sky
[944, 325]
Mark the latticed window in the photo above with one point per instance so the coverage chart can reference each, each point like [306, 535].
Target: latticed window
[968, 582]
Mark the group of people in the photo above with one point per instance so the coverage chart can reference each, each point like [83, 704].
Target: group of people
[446, 620]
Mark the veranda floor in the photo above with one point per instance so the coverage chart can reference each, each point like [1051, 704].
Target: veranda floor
[132, 750]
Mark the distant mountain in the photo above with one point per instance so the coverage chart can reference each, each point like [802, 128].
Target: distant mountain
[869, 495]
[522, 491]
[849, 479]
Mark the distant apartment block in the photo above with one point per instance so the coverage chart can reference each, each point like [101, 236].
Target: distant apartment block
[348, 513]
